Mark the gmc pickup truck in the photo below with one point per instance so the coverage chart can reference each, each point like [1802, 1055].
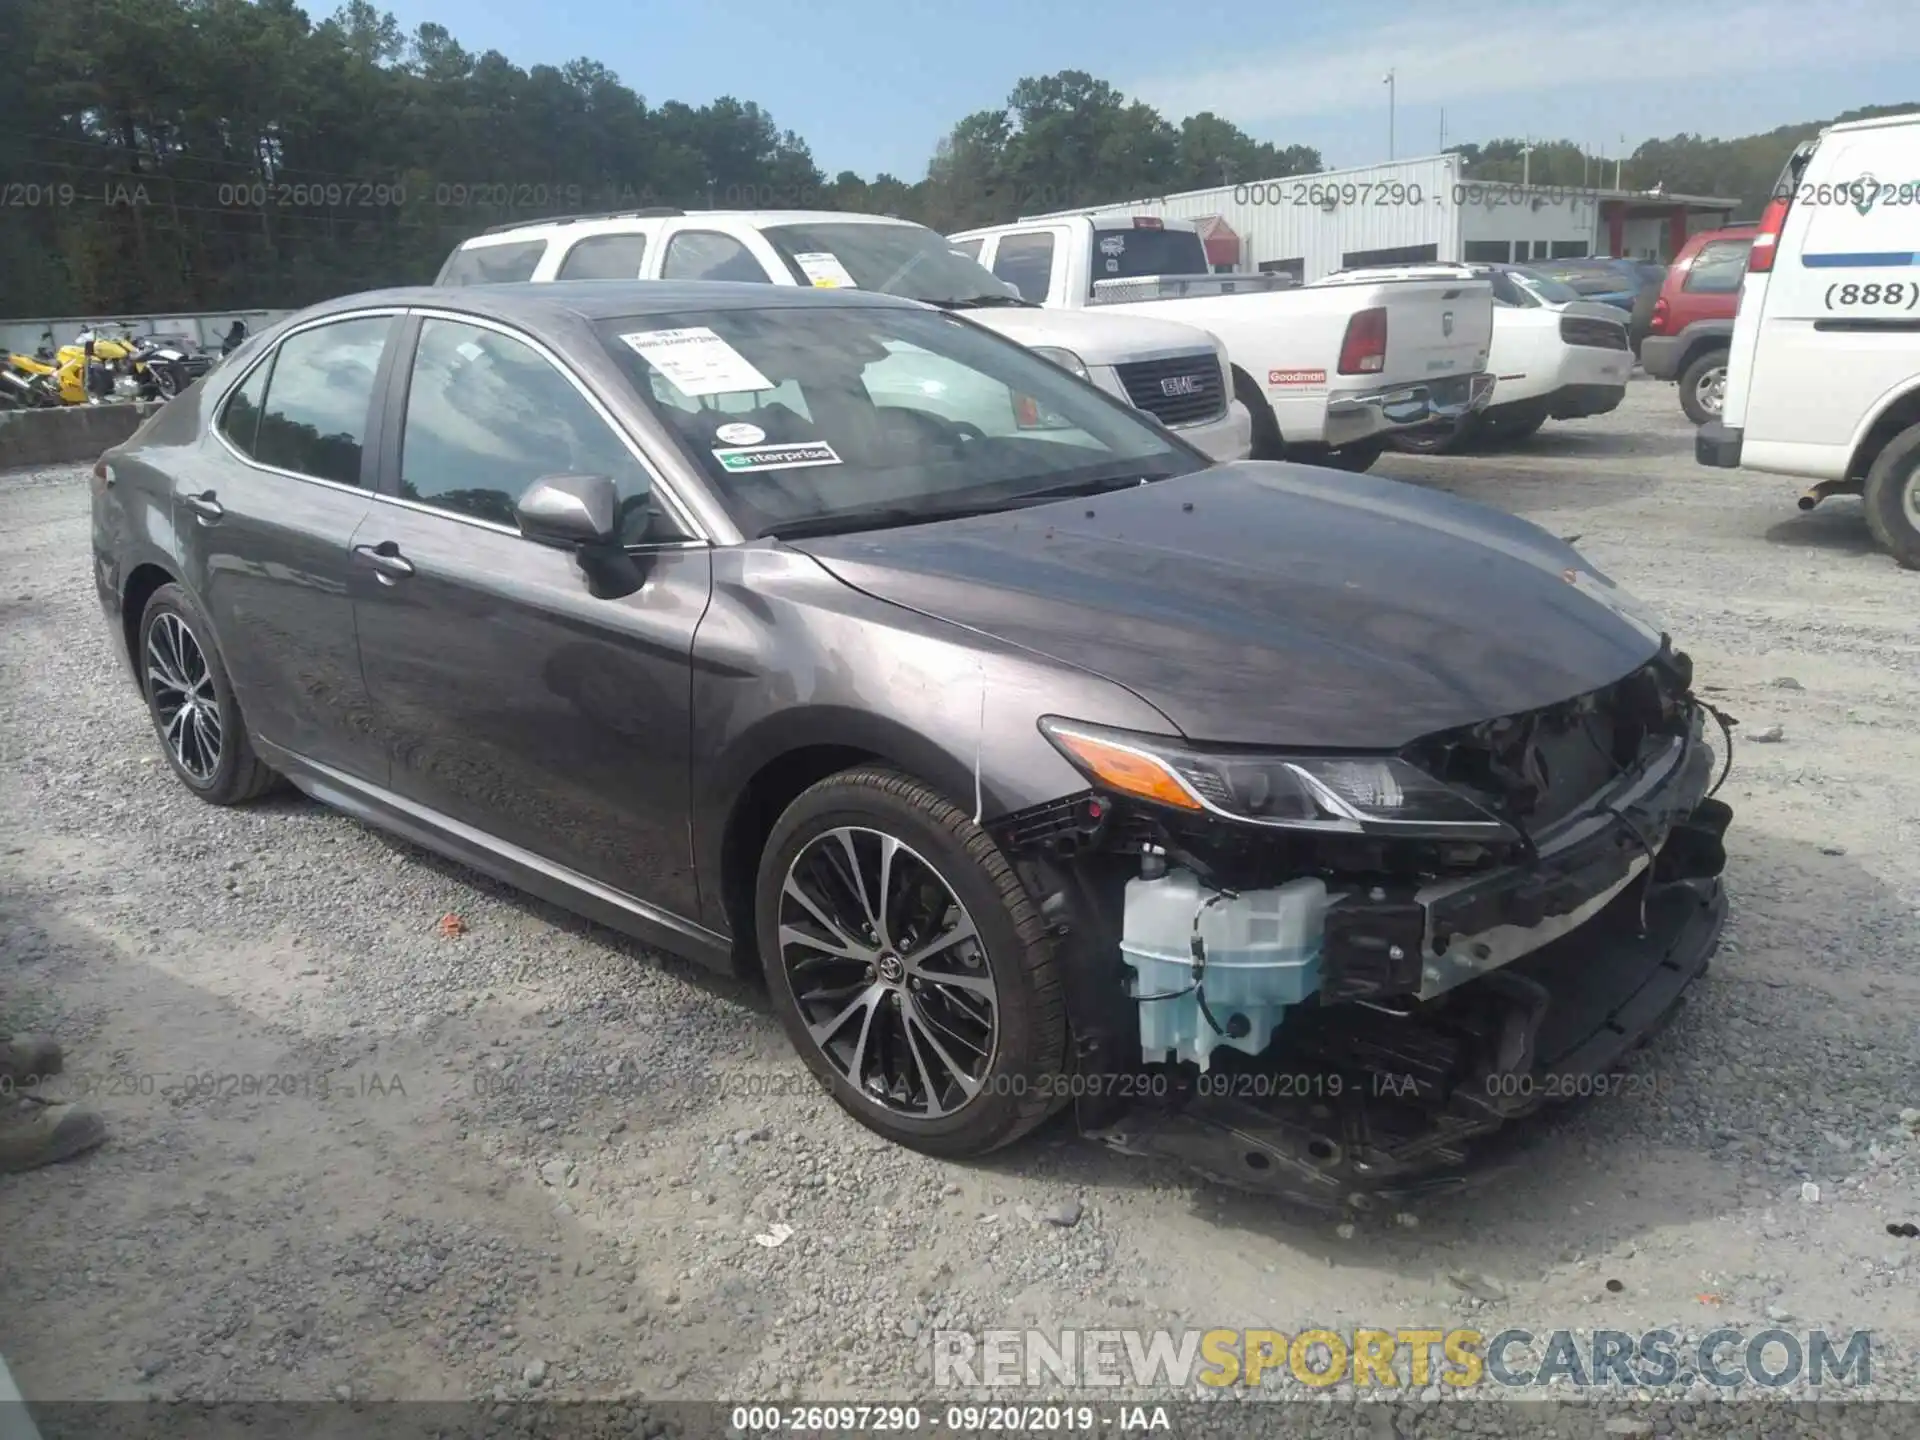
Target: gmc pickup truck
[1328, 371]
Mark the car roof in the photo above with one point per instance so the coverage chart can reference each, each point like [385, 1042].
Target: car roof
[529, 300]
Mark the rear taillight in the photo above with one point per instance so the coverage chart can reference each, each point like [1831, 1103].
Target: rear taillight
[1364, 351]
[1658, 324]
[1766, 240]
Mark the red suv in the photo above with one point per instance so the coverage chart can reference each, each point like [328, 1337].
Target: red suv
[1692, 324]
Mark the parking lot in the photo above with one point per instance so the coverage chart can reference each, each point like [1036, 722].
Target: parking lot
[359, 1152]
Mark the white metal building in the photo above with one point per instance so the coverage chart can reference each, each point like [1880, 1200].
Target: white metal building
[1421, 209]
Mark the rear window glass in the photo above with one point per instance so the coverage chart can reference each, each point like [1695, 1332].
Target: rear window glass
[492, 264]
[1127, 254]
[1718, 268]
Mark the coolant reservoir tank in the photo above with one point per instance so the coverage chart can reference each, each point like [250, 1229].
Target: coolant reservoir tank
[1262, 955]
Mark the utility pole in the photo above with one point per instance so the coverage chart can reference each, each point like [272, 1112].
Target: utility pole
[1616, 161]
[1526, 164]
[1387, 80]
[1443, 129]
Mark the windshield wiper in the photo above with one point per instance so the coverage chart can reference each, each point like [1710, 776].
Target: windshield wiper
[981, 302]
[1087, 487]
[883, 518]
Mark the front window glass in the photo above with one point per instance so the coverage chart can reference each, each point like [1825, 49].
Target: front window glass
[709, 255]
[811, 418]
[487, 415]
[907, 260]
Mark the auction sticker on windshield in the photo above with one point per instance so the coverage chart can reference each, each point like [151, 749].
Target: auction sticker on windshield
[697, 361]
[826, 272]
[749, 458]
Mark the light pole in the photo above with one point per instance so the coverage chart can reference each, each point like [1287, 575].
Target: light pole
[1387, 80]
[1526, 165]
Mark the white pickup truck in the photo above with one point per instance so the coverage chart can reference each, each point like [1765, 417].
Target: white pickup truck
[1327, 370]
[1175, 372]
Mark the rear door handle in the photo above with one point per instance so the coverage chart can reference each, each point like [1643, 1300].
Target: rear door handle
[386, 559]
[206, 507]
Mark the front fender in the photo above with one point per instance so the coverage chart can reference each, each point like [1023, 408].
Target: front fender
[788, 658]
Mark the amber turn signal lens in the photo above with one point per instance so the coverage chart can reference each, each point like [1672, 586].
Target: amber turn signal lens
[1126, 771]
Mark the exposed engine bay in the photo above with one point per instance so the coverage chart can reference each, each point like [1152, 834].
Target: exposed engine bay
[1335, 977]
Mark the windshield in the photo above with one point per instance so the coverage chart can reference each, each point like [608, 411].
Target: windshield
[1130, 253]
[906, 260]
[819, 418]
[1545, 287]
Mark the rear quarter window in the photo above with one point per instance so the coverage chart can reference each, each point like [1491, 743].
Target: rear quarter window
[492, 264]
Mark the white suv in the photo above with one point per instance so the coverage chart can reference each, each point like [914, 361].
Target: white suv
[1176, 373]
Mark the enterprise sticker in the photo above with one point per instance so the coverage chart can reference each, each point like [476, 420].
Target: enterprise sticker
[1296, 377]
[747, 458]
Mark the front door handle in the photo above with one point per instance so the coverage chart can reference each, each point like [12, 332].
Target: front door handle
[386, 559]
[206, 507]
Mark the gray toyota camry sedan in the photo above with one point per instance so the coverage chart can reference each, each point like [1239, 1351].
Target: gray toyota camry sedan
[1304, 826]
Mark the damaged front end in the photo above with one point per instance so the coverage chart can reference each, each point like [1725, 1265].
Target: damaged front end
[1334, 976]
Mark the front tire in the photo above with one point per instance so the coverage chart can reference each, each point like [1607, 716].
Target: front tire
[190, 701]
[1703, 387]
[1892, 497]
[909, 966]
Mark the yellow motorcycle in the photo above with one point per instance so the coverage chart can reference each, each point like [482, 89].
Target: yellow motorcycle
[95, 368]
[30, 382]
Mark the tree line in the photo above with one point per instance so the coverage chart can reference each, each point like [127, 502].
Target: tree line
[192, 155]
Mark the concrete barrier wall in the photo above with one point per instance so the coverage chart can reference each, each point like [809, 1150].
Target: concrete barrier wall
[71, 435]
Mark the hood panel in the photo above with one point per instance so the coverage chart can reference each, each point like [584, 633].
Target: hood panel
[1274, 604]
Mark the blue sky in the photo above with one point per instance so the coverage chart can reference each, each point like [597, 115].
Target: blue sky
[873, 84]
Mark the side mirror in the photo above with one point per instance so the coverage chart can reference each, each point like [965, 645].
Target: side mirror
[570, 510]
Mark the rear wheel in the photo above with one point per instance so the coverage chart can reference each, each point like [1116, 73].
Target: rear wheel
[191, 702]
[909, 966]
[1892, 497]
[1518, 429]
[1703, 387]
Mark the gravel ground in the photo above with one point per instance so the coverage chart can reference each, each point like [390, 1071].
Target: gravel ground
[533, 1159]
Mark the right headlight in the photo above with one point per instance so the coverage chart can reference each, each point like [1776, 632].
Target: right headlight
[1065, 359]
[1352, 794]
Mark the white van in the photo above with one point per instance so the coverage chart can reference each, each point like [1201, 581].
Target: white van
[1823, 378]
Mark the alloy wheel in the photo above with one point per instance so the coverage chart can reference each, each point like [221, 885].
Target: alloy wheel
[888, 972]
[1711, 391]
[180, 684]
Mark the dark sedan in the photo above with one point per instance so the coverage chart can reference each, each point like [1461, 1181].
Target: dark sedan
[1298, 824]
